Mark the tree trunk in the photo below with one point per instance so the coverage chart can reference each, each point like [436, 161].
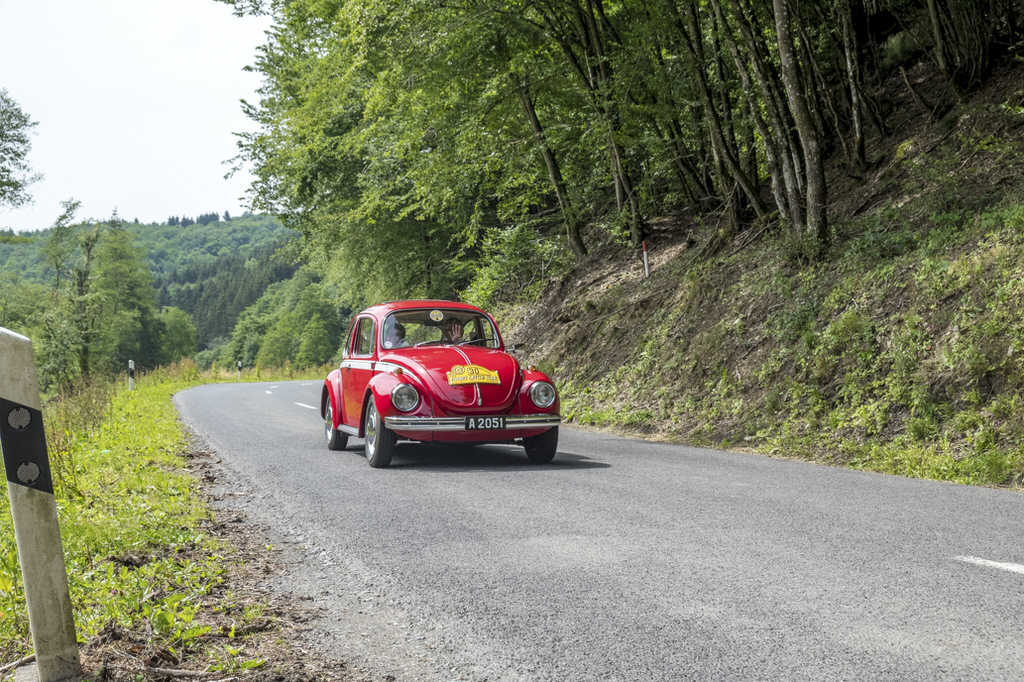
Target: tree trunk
[817, 194]
[689, 30]
[850, 50]
[572, 228]
[593, 69]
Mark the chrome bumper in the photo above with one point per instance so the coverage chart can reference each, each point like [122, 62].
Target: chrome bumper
[518, 421]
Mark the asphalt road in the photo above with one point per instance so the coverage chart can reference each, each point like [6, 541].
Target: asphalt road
[622, 559]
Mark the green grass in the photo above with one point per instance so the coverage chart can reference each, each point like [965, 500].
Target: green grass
[131, 519]
[123, 499]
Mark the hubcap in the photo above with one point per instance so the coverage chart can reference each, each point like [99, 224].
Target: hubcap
[328, 422]
[371, 430]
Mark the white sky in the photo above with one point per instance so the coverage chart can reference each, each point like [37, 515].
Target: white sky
[136, 103]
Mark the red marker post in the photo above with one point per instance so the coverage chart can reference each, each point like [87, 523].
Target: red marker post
[34, 510]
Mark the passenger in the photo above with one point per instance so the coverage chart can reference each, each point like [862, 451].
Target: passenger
[395, 336]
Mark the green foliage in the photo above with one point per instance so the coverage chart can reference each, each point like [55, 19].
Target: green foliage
[179, 335]
[515, 265]
[128, 325]
[211, 271]
[315, 344]
[298, 322]
[15, 174]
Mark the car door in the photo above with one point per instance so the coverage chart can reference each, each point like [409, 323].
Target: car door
[357, 368]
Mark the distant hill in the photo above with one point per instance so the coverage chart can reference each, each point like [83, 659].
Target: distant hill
[212, 271]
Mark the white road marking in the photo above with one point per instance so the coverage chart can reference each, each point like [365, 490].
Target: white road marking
[268, 392]
[308, 407]
[1013, 568]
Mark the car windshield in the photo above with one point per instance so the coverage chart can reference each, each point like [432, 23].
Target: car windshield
[438, 326]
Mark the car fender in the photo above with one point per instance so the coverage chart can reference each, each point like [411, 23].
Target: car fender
[331, 392]
[379, 391]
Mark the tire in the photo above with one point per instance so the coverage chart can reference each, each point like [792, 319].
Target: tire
[541, 449]
[379, 439]
[336, 440]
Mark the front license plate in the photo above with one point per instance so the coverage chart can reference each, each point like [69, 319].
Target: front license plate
[477, 423]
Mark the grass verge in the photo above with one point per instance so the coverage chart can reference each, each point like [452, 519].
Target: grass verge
[158, 584]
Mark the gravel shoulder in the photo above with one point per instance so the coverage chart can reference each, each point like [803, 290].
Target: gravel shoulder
[261, 571]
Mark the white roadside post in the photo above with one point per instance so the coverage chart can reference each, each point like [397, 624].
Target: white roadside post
[131, 375]
[34, 510]
[239, 370]
[647, 266]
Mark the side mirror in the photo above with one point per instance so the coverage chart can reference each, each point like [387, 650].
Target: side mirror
[513, 347]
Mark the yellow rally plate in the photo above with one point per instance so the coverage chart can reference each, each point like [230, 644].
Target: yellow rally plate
[472, 374]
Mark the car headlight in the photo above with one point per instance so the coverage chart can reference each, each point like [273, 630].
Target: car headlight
[542, 394]
[405, 398]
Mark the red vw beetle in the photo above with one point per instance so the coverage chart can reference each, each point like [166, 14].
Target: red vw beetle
[435, 371]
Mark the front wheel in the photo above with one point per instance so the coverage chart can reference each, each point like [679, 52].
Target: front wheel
[379, 439]
[336, 440]
[541, 449]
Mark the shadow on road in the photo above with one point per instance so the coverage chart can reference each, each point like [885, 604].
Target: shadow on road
[455, 457]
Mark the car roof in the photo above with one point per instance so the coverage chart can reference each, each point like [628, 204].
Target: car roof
[382, 309]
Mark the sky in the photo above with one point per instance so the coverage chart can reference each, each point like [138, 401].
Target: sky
[137, 105]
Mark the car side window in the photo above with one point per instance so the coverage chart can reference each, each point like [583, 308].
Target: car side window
[364, 337]
[480, 331]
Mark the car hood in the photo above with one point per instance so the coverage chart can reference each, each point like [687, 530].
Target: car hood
[463, 378]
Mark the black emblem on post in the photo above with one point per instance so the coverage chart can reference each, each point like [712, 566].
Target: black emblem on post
[19, 418]
[24, 444]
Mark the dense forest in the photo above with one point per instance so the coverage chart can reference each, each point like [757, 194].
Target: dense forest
[94, 295]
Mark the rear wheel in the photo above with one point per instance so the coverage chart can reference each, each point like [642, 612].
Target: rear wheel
[541, 449]
[336, 440]
[379, 439]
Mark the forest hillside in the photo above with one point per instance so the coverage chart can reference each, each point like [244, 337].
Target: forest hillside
[829, 195]
[901, 351]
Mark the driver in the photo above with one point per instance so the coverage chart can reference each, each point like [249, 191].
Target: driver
[452, 331]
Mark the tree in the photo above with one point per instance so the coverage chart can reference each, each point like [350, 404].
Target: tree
[62, 345]
[280, 343]
[807, 130]
[179, 335]
[15, 174]
[964, 32]
[60, 246]
[130, 327]
[86, 305]
[20, 301]
[315, 347]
